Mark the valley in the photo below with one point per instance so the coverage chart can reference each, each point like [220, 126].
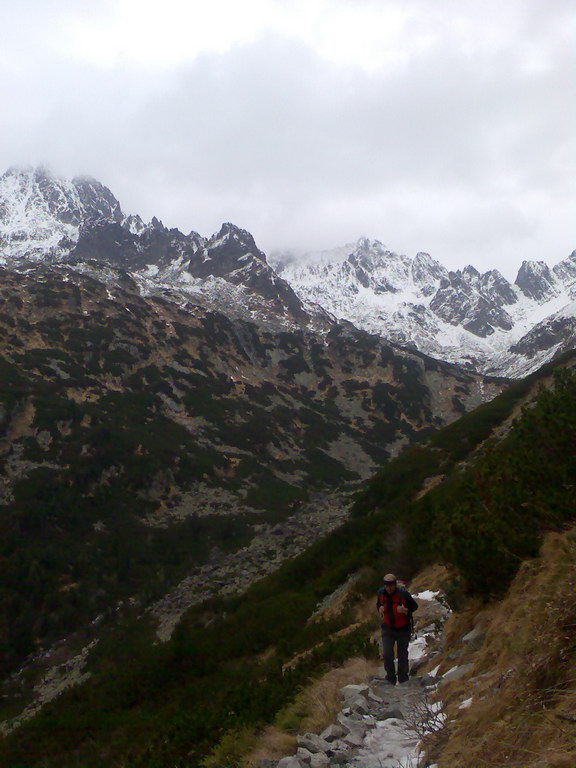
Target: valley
[198, 446]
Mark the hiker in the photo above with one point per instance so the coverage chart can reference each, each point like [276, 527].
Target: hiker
[396, 606]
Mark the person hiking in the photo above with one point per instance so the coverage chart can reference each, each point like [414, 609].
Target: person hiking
[396, 606]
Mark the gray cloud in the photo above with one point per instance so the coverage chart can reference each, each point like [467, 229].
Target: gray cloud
[465, 151]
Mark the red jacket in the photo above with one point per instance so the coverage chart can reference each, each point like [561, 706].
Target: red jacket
[391, 617]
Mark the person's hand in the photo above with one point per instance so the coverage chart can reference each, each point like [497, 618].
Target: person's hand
[402, 609]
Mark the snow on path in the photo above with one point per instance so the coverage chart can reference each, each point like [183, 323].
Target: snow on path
[392, 744]
[382, 723]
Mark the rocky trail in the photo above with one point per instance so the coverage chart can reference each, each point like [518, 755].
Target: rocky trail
[381, 725]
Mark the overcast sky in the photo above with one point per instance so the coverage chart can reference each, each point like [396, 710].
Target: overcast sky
[447, 126]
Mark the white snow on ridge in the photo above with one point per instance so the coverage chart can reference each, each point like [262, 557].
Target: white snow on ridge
[28, 228]
[391, 295]
[463, 317]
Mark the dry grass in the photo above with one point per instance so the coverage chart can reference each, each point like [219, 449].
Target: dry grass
[271, 744]
[312, 711]
[433, 577]
[523, 680]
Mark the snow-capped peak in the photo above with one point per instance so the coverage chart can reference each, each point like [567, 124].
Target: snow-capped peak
[41, 215]
[536, 281]
[464, 316]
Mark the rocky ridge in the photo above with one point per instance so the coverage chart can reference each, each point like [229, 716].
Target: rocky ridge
[46, 219]
[481, 321]
[473, 319]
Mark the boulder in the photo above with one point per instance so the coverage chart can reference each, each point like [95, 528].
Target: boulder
[312, 743]
[353, 739]
[351, 691]
[304, 755]
[418, 664]
[350, 725]
[374, 697]
[289, 762]
[337, 746]
[395, 714]
[319, 760]
[332, 733]
[475, 638]
[456, 673]
[360, 705]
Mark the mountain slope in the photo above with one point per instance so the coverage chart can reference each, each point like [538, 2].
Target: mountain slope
[224, 670]
[142, 434]
[41, 215]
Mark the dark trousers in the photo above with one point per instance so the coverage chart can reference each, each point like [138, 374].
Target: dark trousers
[400, 638]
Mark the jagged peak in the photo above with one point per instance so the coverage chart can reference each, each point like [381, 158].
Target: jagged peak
[367, 245]
[494, 277]
[371, 254]
[425, 257]
[495, 273]
[536, 280]
[157, 224]
[229, 230]
[229, 233]
[134, 224]
[535, 268]
[569, 261]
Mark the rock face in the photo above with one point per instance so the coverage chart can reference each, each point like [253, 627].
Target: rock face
[545, 341]
[459, 300]
[463, 316]
[41, 215]
[232, 254]
[536, 281]
[566, 272]
[134, 248]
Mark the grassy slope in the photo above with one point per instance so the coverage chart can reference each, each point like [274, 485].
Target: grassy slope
[522, 680]
[223, 668]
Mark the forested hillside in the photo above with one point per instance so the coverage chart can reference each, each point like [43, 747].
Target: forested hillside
[137, 436]
[503, 485]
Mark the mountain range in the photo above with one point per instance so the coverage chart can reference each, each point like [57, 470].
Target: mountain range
[473, 319]
[477, 320]
[480, 321]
